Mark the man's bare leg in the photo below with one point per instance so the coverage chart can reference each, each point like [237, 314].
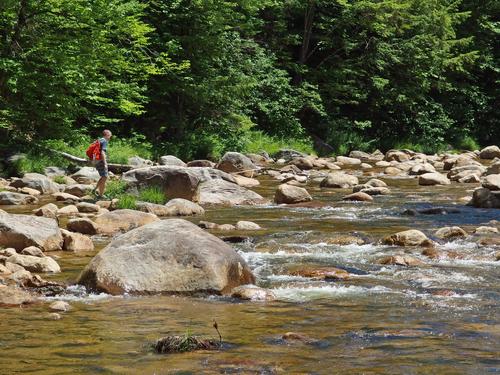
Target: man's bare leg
[101, 185]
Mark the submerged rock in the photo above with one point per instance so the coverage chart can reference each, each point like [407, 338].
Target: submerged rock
[325, 273]
[401, 260]
[171, 255]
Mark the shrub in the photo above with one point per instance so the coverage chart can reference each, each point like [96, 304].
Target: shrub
[153, 194]
[467, 143]
[258, 141]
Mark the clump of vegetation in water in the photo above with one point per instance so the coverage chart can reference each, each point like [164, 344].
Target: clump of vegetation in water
[186, 343]
[153, 194]
[181, 344]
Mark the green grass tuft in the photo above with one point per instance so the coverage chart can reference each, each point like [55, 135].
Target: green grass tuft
[116, 188]
[153, 194]
[59, 179]
[126, 201]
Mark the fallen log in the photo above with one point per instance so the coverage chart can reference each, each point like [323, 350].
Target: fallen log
[115, 168]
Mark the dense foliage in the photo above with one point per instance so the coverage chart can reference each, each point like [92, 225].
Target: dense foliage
[198, 77]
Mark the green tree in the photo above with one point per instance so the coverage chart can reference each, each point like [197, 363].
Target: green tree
[65, 64]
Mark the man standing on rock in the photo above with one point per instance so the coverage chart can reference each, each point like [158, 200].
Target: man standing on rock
[102, 162]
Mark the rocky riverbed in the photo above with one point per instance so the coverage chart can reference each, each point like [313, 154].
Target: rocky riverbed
[364, 263]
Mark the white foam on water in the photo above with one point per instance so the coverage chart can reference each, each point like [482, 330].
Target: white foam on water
[435, 277]
[284, 278]
[459, 245]
[308, 293]
[78, 293]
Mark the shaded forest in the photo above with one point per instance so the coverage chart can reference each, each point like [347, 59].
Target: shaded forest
[196, 78]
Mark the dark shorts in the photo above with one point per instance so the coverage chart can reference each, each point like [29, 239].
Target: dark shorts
[102, 169]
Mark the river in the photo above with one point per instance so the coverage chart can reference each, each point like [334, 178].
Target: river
[441, 318]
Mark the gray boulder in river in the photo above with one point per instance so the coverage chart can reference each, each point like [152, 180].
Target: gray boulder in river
[177, 182]
[21, 231]
[171, 256]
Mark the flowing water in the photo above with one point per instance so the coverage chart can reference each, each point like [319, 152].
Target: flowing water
[440, 318]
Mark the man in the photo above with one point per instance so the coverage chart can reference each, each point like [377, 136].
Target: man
[102, 163]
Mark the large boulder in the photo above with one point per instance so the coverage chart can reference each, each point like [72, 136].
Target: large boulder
[490, 152]
[35, 263]
[221, 192]
[492, 182]
[171, 160]
[171, 256]
[177, 182]
[485, 198]
[21, 231]
[122, 221]
[12, 198]
[436, 178]
[235, 162]
[339, 180]
[86, 175]
[38, 182]
[410, 237]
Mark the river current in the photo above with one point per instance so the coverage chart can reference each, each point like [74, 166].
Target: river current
[442, 317]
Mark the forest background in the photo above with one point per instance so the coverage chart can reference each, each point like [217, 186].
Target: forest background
[196, 78]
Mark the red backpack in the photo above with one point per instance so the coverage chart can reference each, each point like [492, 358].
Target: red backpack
[94, 151]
